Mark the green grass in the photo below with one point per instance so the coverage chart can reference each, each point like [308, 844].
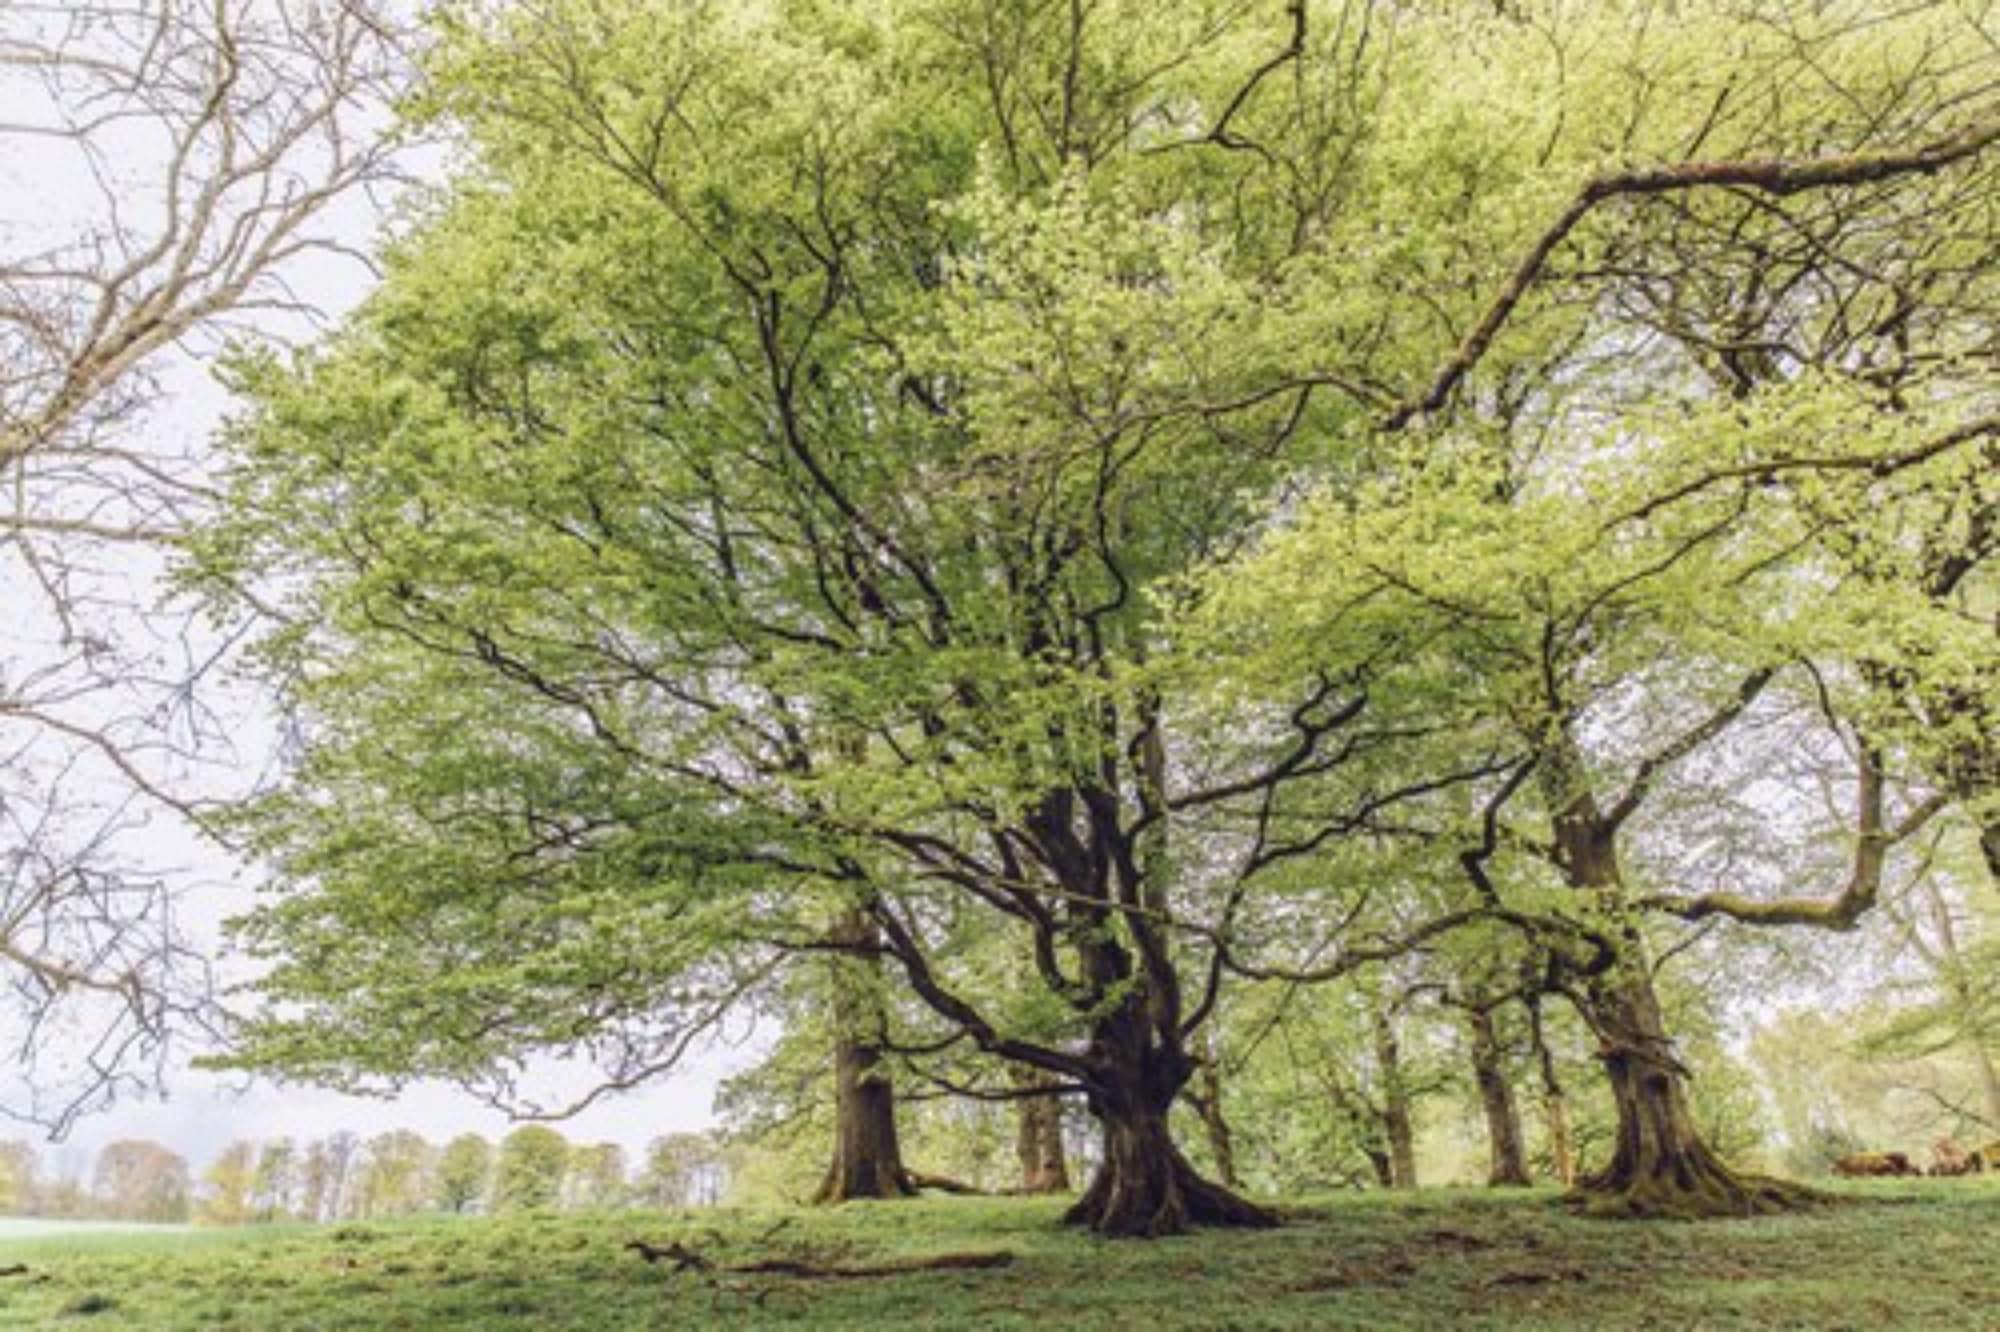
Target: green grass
[1902, 1254]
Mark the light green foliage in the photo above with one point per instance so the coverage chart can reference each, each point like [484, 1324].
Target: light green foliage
[821, 456]
[533, 1163]
[228, 1194]
[277, 1180]
[681, 1170]
[596, 1176]
[394, 1175]
[464, 1171]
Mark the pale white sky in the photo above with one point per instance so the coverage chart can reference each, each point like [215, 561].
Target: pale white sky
[49, 197]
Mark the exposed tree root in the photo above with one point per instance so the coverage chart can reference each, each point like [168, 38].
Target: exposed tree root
[1693, 1196]
[1166, 1198]
[685, 1259]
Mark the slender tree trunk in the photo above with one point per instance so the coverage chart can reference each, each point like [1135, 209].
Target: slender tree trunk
[1509, 1165]
[1038, 1141]
[1221, 1142]
[867, 1160]
[1555, 1105]
[1396, 1123]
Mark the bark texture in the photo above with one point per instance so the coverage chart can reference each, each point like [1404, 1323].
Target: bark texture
[1144, 1187]
[1661, 1166]
[867, 1159]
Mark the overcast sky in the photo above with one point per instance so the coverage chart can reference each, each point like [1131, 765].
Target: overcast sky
[50, 197]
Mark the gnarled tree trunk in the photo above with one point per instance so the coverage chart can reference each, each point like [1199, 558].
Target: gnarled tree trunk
[1144, 1186]
[1509, 1165]
[1038, 1141]
[1661, 1166]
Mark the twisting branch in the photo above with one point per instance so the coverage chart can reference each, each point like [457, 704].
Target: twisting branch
[1864, 881]
[1776, 176]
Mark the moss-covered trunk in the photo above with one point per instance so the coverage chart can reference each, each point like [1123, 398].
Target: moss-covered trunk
[1144, 1186]
[1660, 1164]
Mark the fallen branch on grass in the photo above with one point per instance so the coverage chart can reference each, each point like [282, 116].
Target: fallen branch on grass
[685, 1259]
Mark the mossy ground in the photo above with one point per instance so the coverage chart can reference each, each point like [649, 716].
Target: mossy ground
[1919, 1254]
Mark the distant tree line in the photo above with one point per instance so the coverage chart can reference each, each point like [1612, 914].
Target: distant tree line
[344, 1177]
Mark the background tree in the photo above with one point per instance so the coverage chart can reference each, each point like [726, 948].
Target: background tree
[464, 1170]
[596, 1176]
[393, 1178]
[17, 1177]
[277, 1179]
[228, 1195]
[533, 1163]
[137, 1180]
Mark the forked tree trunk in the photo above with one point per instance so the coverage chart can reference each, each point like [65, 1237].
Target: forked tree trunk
[1145, 1188]
[1508, 1160]
[1661, 1166]
[1396, 1123]
[867, 1160]
[1038, 1142]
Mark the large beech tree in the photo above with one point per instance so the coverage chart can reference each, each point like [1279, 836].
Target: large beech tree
[766, 492]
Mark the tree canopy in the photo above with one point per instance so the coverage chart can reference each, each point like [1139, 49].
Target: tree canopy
[1128, 496]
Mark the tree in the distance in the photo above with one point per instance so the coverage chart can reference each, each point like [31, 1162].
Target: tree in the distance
[464, 1170]
[534, 1161]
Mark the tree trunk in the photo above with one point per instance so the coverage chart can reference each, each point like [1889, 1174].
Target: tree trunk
[1509, 1166]
[1396, 1124]
[1660, 1166]
[1555, 1105]
[1144, 1187]
[1221, 1142]
[1562, 1146]
[1039, 1143]
[867, 1161]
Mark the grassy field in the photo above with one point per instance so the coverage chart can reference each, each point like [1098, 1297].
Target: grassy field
[1904, 1254]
